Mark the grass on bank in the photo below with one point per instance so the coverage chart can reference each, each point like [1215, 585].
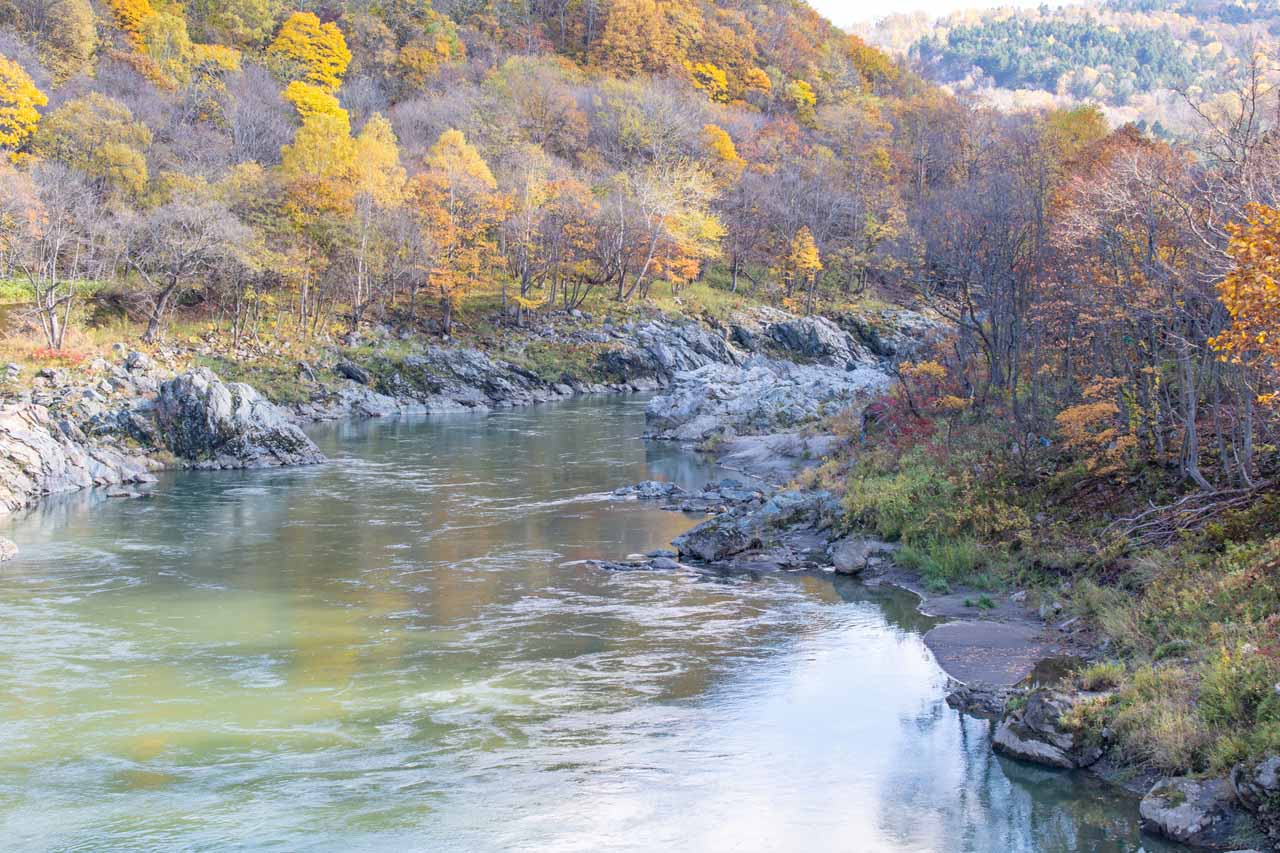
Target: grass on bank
[1193, 683]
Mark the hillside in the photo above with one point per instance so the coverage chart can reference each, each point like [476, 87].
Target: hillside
[1130, 55]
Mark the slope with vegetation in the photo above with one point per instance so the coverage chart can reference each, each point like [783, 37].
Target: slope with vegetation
[1132, 56]
[263, 183]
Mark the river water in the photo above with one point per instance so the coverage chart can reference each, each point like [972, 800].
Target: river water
[397, 651]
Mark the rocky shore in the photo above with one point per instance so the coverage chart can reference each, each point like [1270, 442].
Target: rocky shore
[115, 422]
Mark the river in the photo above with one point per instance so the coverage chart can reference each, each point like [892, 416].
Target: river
[398, 651]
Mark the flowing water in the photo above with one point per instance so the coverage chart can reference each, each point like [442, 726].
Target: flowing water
[397, 651]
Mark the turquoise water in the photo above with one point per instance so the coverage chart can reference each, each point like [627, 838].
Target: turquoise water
[399, 651]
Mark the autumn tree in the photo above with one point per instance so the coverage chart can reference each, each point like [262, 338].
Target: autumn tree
[48, 215]
[98, 136]
[20, 101]
[306, 49]
[1251, 294]
[803, 264]
[62, 30]
[636, 39]
[458, 195]
[174, 246]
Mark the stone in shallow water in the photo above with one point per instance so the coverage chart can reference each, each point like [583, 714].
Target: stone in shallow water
[8, 550]
[1200, 812]
[1037, 734]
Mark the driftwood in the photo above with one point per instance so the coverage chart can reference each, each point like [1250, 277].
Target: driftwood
[1160, 526]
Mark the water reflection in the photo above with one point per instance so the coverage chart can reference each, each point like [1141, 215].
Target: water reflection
[396, 651]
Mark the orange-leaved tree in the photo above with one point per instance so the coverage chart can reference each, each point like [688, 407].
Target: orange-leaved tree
[459, 204]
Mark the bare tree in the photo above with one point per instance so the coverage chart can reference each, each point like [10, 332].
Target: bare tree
[173, 245]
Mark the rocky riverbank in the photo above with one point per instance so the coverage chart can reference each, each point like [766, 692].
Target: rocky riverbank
[115, 422]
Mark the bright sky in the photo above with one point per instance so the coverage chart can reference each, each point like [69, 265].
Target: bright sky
[846, 12]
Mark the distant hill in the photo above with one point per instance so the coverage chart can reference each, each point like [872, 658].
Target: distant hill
[1129, 55]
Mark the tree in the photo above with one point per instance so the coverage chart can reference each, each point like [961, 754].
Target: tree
[457, 194]
[47, 218]
[311, 100]
[98, 136]
[636, 39]
[62, 30]
[19, 103]
[175, 245]
[1251, 294]
[803, 264]
[305, 48]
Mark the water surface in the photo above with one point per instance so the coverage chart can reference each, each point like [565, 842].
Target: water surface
[397, 651]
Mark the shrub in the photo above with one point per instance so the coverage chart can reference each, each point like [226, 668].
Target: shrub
[1102, 676]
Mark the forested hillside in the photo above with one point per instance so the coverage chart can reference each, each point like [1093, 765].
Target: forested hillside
[264, 182]
[1127, 54]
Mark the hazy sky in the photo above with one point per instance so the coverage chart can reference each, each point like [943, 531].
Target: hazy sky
[846, 12]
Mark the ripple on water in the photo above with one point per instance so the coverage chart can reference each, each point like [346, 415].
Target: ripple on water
[397, 651]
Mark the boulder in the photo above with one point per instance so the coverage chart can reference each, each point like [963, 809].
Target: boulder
[138, 362]
[1035, 733]
[1257, 787]
[37, 458]
[851, 555]
[214, 424]
[354, 372]
[817, 339]
[8, 550]
[1199, 812]
[651, 490]
[719, 538]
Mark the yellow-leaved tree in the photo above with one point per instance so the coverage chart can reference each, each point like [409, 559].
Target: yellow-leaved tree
[1251, 294]
[458, 199]
[20, 101]
[307, 49]
[311, 100]
[803, 264]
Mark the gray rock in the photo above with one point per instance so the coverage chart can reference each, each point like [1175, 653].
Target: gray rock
[1257, 787]
[760, 396]
[651, 490]
[818, 338]
[851, 555]
[354, 372]
[979, 700]
[719, 538]
[139, 362]
[1200, 812]
[122, 492]
[214, 424]
[37, 458]
[1035, 733]
[8, 550]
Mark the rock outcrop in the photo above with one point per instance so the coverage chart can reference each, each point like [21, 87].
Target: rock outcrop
[40, 457]
[1199, 812]
[214, 424]
[762, 395]
[1036, 733]
[786, 531]
[1257, 787]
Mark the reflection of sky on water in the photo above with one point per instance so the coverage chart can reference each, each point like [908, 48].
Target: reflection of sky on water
[397, 651]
